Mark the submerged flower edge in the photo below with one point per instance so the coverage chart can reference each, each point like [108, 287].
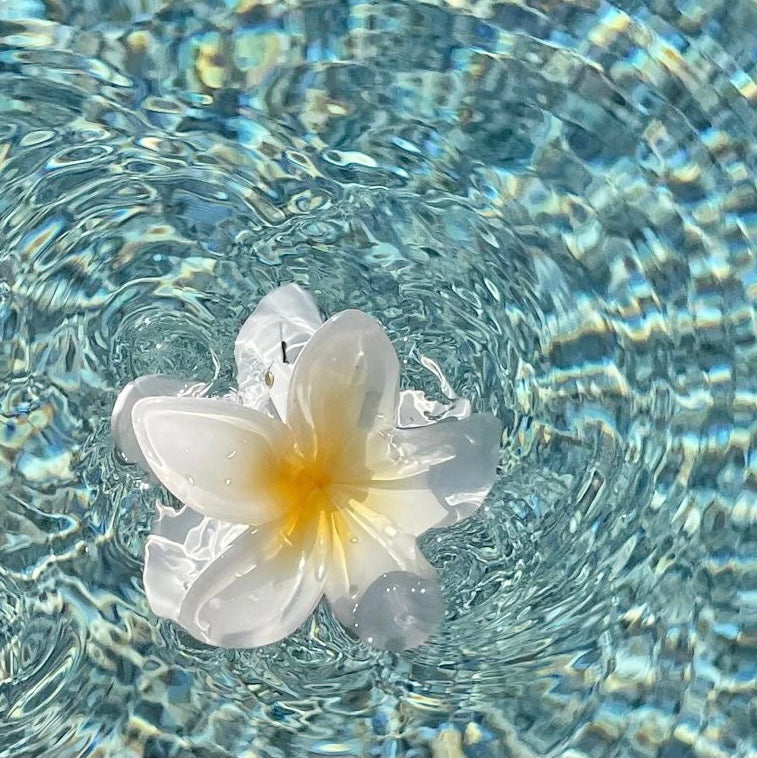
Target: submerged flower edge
[326, 503]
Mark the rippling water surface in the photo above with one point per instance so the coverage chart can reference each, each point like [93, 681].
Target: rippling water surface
[555, 201]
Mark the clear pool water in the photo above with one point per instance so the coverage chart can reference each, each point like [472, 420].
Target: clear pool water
[555, 201]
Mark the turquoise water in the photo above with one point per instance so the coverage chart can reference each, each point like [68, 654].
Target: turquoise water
[554, 201]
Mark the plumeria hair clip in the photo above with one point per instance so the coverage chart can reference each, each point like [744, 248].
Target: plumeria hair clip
[314, 478]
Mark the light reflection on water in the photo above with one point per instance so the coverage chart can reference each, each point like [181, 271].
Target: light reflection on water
[555, 201]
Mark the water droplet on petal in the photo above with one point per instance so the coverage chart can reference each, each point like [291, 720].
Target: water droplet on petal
[191, 480]
[227, 482]
[399, 611]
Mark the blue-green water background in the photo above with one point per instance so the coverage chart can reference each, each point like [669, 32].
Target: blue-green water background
[555, 201]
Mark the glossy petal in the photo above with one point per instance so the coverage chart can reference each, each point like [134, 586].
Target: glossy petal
[415, 409]
[367, 545]
[182, 545]
[213, 455]
[461, 457]
[259, 590]
[152, 385]
[343, 396]
[399, 611]
[271, 338]
[410, 504]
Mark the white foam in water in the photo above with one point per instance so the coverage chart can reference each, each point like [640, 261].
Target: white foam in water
[550, 207]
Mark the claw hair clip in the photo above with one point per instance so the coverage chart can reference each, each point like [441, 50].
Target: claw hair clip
[315, 478]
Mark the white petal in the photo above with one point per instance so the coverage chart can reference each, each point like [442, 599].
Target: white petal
[410, 504]
[182, 545]
[461, 457]
[152, 385]
[380, 585]
[343, 395]
[415, 409]
[367, 545]
[399, 611]
[259, 590]
[213, 455]
[273, 335]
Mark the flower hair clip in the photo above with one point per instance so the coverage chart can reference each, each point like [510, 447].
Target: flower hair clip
[315, 478]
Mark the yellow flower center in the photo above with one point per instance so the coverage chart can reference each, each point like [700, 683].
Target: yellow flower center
[303, 490]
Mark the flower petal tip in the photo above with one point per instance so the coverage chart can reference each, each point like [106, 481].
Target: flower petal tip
[121, 421]
[399, 611]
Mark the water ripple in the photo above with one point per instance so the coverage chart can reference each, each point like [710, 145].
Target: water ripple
[555, 202]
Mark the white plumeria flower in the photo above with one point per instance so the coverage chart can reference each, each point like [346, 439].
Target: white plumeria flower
[303, 483]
